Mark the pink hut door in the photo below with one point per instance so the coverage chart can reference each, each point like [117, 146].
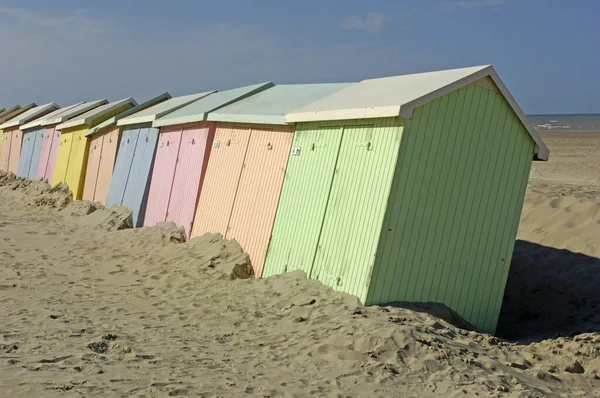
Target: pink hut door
[52, 157]
[165, 162]
[195, 147]
[45, 154]
[5, 153]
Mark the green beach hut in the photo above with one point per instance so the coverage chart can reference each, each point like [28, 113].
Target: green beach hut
[408, 188]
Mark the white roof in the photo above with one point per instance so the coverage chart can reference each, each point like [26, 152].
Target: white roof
[70, 112]
[89, 117]
[30, 115]
[149, 115]
[400, 95]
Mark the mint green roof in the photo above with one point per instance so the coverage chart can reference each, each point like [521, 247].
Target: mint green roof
[270, 105]
[198, 111]
[152, 101]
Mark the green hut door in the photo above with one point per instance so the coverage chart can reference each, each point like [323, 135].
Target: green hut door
[355, 212]
[303, 201]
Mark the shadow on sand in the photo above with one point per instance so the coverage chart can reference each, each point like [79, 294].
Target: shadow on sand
[549, 293]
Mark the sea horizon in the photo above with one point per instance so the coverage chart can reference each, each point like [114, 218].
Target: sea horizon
[566, 121]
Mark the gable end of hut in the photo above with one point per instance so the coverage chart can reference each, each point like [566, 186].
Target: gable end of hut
[453, 211]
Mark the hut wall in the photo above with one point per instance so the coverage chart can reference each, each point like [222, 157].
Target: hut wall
[222, 179]
[100, 165]
[333, 201]
[454, 208]
[180, 162]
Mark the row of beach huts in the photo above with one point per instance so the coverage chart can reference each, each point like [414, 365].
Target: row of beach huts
[405, 188]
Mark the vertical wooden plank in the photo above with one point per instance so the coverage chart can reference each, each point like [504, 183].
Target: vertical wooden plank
[38, 143]
[398, 278]
[472, 193]
[512, 202]
[5, 150]
[45, 154]
[93, 166]
[222, 179]
[15, 150]
[196, 143]
[259, 190]
[76, 165]
[361, 184]
[123, 165]
[135, 195]
[26, 153]
[63, 154]
[110, 143]
[424, 208]
[451, 138]
[453, 209]
[54, 147]
[161, 182]
[304, 197]
[473, 295]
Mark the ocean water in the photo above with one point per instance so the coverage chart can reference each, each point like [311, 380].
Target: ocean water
[565, 122]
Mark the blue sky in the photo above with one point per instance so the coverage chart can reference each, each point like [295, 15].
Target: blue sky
[546, 51]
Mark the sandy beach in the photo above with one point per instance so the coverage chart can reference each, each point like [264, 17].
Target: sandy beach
[90, 307]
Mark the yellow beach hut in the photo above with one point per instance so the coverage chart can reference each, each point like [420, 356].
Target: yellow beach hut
[73, 149]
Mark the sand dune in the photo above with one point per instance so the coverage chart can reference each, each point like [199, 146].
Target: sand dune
[90, 307]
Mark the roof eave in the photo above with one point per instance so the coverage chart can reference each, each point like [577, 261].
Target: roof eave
[88, 120]
[151, 118]
[245, 118]
[343, 114]
[135, 120]
[199, 117]
[63, 118]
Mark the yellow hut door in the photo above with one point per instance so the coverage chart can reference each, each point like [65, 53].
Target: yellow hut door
[62, 159]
